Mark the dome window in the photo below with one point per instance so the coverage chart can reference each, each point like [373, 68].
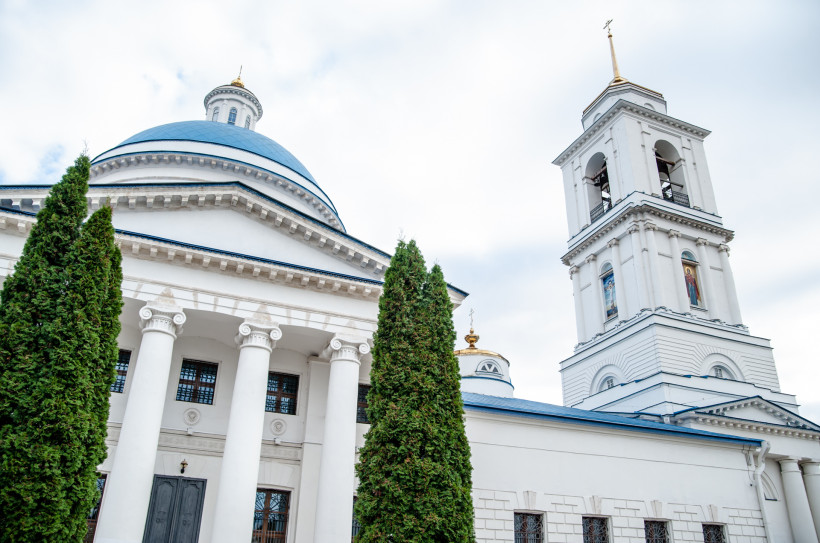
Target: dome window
[489, 367]
[248, 121]
[232, 116]
[215, 116]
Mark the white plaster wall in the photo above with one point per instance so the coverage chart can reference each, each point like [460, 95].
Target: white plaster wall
[567, 471]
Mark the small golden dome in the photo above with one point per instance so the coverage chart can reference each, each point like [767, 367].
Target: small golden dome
[471, 338]
[238, 83]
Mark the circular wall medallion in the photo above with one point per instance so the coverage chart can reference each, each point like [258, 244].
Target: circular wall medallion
[278, 427]
[191, 416]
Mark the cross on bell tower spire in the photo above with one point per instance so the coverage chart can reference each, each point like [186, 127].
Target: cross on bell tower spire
[616, 74]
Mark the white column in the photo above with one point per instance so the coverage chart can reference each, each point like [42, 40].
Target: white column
[597, 293]
[233, 519]
[729, 285]
[640, 271]
[575, 275]
[811, 479]
[128, 489]
[797, 503]
[620, 293]
[336, 469]
[705, 271]
[677, 273]
[654, 267]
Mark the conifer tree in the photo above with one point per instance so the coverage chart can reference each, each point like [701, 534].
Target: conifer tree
[414, 470]
[58, 327]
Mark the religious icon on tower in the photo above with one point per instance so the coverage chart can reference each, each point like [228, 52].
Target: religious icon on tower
[690, 276]
[610, 303]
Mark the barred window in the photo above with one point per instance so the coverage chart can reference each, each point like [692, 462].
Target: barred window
[122, 371]
[529, 528]
[361, 404]
[282, 390]
[196, 382]
[713, 533]
[655, 531]
[93, 515]
[270, 516]
[595, 530]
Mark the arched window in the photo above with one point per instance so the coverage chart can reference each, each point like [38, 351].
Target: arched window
[248, 121]
[608, 287]
[232, 116]
[722, 372]
[215, 116]
[607, 383]
[600, 197]
[690, 278]
[670, 172]
[489, 367]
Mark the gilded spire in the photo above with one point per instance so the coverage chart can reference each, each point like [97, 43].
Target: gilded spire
[238, 81]
[617, 75]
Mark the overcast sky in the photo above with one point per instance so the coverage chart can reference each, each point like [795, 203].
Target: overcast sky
[439, 121]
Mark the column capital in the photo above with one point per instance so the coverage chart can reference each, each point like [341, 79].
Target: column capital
[573, 270]
[700, 242]
[590, 259]
[673, 234]
[162, 318]
[350, 348]
[789, 464]
[612, 243]
[723, 248]
[651, 226]
[633, 229]
[812, 467]
[258, 334]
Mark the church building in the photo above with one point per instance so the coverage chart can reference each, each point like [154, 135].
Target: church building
[248, 318]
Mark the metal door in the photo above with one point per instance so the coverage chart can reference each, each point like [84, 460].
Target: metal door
[175, 510]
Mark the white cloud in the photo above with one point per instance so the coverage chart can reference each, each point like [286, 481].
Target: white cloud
[440, 119]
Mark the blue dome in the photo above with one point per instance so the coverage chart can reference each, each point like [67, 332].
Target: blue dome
[221, 134]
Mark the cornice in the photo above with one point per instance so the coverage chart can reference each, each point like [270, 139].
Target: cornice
[234, 196]
[623, 105]
[638, 212]
[749, 425]
[241, 169]
[789, 419]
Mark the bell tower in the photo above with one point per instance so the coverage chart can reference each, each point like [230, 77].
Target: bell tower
[657, 316]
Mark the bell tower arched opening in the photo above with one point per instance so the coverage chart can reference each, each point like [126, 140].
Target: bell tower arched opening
[670, 172]
[598, 189]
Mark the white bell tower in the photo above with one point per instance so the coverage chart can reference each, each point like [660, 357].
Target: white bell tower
[657, 315]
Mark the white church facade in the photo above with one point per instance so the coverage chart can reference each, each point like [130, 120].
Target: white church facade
[249, 313]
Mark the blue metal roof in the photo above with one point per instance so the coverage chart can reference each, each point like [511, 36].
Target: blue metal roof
[228, 135]
[527, 408]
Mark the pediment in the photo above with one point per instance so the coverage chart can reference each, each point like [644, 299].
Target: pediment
[757, 409]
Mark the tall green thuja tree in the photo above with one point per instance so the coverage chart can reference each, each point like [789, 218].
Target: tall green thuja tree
[414, 469]
[57, 357]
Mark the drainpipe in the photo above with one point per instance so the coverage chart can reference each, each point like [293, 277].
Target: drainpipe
[760, 464]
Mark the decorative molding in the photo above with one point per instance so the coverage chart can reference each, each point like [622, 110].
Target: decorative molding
[191, 416]
[636, 213]
[258, 334]
[230, 89]
[160, 318]
[278, 427]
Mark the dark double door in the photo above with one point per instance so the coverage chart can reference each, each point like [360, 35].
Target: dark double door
[175, 511]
